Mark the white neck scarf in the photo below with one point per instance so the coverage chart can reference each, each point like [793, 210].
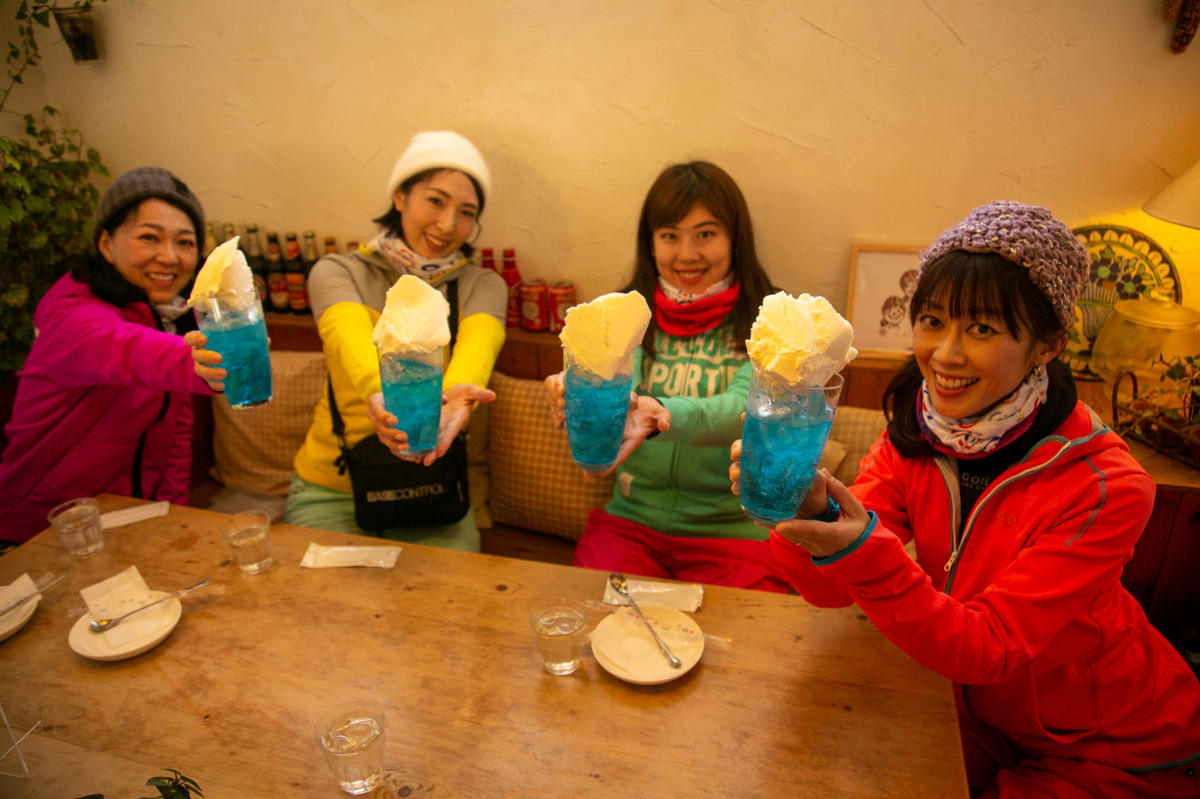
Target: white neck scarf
[168, 312]
[400, 255]
[981, 435]
[682, 297]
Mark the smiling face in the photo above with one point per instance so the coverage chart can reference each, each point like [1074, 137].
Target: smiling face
[154, 249]
[438, 214]
[694, 253]
[971, 363]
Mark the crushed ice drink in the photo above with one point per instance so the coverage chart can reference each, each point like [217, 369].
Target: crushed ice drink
[412, 392]
[783, 437]
[242, 342]
[596, 411]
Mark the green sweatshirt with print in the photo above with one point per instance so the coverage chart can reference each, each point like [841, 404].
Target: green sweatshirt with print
[677, 483]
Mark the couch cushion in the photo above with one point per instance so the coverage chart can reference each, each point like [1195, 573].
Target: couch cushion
[254, 447]
[855, 429]
[534, 482]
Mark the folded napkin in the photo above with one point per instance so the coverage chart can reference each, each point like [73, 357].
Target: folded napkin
[677, 596]
[118, 595]
[22, 586]
[321, 557]
[116, 518]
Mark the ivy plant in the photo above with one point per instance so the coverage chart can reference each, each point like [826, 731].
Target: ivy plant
[46, 197]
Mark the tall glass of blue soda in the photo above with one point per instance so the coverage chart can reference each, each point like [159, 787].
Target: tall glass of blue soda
[783, 436]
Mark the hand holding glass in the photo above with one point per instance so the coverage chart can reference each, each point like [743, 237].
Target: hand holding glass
[596, 409]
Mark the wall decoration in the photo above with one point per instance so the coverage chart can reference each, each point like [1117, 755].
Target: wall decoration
[1126, 264]
[883, 278]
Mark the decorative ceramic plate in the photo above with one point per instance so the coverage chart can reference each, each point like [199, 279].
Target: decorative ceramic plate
[1126, 264]
[623, 647]
[96, 646]
[16, 618]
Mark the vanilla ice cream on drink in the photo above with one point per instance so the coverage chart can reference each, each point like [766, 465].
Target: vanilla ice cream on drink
[801, 340]
[600, 336]
[225, 274]
[414, 318]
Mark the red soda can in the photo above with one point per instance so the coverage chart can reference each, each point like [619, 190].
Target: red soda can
[535, 305]
[562, 297]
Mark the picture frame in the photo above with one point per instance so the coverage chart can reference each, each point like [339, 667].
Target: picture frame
[882, 280]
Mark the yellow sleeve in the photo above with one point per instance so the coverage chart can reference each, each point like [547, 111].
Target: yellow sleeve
[345, 330]
[480, 337]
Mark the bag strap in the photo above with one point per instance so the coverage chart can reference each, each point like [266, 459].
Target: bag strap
[339, 428]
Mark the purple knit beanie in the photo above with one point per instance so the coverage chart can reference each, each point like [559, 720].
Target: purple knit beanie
[1029, 236]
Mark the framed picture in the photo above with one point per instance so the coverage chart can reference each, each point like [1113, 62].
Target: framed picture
[882, 280]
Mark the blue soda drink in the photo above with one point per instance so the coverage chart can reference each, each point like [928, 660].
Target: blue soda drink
[244, 355]
[412, 392]
[596, 411]
[782, 440]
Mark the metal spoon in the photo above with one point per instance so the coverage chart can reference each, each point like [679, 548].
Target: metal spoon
[617, 581]
[100, 625]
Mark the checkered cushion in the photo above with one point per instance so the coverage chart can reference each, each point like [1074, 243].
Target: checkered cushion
[254, 447]
[856, 429]
[534, 482]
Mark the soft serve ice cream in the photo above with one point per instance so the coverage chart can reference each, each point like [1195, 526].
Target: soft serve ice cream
[225, 274]
[600, 336]
[413, 319]
[801, 340]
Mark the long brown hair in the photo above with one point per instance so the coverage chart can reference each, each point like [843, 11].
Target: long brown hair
[678, 189]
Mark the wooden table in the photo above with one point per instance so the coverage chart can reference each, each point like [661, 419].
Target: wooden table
[805, 702]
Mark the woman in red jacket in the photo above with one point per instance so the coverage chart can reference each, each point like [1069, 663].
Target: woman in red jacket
[1023, 508]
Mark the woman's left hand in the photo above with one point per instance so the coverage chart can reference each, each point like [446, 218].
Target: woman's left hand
[205, 360]
[823, 539]
[457, 403]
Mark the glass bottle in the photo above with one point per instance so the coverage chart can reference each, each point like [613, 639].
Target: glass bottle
[276, 282]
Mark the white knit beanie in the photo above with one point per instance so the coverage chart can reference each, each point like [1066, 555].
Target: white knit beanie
[440, 148]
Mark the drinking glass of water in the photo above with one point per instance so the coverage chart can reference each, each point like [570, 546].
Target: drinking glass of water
[351, 736]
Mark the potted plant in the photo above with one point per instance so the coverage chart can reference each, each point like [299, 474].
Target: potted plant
[46, 197]
[176, 787]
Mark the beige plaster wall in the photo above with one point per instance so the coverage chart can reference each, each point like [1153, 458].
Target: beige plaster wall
[876, 120]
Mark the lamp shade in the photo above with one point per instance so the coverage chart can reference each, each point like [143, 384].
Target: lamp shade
[1179, 202]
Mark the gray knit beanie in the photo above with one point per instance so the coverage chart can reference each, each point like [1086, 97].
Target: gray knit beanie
[142, 183]
[1029, 236]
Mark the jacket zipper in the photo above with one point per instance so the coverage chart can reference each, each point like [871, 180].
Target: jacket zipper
[956, 550]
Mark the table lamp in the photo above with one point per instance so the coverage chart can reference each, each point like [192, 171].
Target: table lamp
[1179, 202]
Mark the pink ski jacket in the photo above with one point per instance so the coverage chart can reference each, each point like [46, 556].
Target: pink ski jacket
[100, 383]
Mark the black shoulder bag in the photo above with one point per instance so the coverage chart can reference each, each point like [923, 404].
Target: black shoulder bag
[392, 492]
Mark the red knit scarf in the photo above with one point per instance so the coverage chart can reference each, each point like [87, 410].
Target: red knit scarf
[692, 318]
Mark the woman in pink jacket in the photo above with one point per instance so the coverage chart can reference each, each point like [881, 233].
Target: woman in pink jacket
[1023, 508]
[104, 403]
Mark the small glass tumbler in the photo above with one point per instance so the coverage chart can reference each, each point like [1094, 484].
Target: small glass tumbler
[248, 536]
[235, 328]
[412, 392]
[783, 436]
[596, 409]
[77, 523]
[558, 625]
[351, 736]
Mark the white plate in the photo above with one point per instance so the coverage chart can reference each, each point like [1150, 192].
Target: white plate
[16, 618]
[623, 647]
[95, 645]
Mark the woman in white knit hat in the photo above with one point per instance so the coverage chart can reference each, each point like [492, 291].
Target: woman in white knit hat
[435, 196]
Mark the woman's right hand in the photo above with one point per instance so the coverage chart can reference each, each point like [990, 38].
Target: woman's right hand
[555, 389]
[205, 361]
[394, 439]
